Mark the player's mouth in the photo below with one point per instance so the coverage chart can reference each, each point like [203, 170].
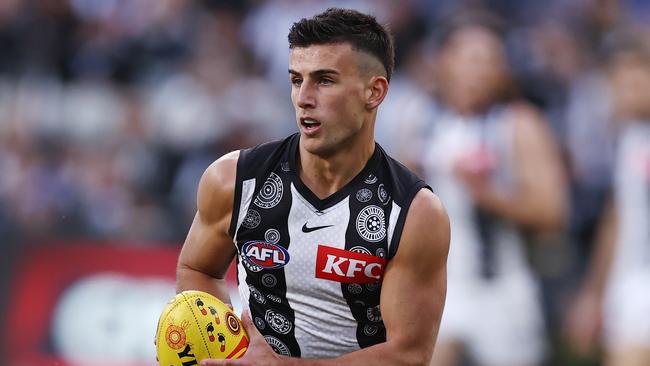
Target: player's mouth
[309, 126]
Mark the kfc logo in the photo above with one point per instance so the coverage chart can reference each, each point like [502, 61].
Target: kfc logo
[264, 254]
[349, 267]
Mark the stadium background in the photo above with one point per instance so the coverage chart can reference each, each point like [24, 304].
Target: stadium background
[110, 110]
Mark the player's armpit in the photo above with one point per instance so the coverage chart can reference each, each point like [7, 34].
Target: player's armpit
[208, 249]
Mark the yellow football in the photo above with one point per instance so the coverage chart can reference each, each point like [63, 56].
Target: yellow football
[195, 325]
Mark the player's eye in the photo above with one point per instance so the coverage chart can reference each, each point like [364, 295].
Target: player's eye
[326, 81]
[296, 81]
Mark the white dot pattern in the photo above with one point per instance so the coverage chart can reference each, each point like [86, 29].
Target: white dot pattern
[319, 306]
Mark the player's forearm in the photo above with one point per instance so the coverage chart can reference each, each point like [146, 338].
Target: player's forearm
[381, 354]
[190, 279]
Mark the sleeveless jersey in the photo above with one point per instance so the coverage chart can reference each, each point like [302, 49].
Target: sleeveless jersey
[311, 270]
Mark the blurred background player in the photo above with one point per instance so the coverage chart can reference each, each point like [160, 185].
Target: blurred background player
[613, 305]
[493, 157]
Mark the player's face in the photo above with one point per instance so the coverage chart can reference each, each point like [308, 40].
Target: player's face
[327, 91]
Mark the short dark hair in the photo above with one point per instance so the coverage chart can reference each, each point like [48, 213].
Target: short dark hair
[336, 25]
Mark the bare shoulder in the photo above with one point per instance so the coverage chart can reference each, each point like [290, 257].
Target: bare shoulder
[217, 187]
[426, 231]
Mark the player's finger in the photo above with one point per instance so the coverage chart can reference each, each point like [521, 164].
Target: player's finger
[251, 329]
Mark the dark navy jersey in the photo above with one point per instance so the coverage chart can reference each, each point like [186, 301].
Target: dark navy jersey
[310, 270]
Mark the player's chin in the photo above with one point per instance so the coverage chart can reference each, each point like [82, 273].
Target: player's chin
[318, 147]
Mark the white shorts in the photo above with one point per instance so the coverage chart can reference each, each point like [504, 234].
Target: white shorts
[498, 322]
[627, 311]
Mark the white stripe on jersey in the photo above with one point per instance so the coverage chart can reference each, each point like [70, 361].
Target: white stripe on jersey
[248, 188]
[324, 325]
[392, 221]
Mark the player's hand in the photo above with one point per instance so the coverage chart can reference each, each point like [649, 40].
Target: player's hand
[259, 353]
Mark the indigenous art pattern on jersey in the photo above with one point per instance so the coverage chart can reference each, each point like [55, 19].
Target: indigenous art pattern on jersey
[309, 269]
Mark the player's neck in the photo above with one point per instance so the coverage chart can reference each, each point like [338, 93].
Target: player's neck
[326, 176]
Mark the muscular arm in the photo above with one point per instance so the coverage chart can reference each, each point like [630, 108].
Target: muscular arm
[412, 298]
[208, 249]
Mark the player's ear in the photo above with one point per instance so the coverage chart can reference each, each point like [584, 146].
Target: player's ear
[376, 91]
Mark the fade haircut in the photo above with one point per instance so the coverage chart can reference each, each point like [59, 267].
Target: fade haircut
[336, 25]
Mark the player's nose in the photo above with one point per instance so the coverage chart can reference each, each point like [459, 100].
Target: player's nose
[305, 97]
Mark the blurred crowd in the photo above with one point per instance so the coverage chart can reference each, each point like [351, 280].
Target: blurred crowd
[110, 110]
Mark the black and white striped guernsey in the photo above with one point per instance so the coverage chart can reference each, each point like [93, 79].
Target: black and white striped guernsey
[310, 270]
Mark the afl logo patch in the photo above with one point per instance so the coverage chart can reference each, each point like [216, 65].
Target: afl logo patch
[264, 254]
[271, 192]
[370, 224]
[278, 322]
[277, 346]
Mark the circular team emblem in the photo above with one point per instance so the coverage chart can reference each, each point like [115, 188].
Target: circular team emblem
[354, 288]
[360, 249]
[364, 195]
[382, 194]
[370, 224]
[372, 286]
[252, 219]
[272, 236]
[370, 330]
[285, 166]
[271, 192]
[277, 346]
[257, 295]
[381, 253]
[259, 323]
[269, 280]
[232, 323]
[278, 322]
[175, 337]
[372, 179]
[374, 314]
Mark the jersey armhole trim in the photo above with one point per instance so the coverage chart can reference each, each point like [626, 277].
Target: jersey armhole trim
[237, 197]
[401, 220]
